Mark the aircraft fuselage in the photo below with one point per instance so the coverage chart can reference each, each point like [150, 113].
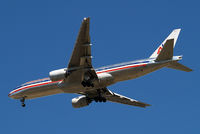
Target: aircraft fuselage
[119, 72]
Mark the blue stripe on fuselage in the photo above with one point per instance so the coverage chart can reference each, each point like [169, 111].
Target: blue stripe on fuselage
[122, 64]
[33, 82]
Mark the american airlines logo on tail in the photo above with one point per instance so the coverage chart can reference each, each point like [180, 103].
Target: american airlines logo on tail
[160, 48]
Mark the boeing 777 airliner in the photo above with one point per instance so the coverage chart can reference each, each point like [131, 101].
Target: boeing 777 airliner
[91, 84]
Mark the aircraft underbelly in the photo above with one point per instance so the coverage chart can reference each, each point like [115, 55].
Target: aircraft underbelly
[72, 87]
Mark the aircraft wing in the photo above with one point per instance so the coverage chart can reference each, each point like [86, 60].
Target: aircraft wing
[114, 97]
[81, 58]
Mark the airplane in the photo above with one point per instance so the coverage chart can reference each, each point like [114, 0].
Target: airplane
[91, 84]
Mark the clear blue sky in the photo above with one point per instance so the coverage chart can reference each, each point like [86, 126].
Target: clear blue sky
[38, 36]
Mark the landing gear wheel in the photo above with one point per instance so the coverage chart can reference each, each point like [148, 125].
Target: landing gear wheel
[22, 101]
[83, 83]
[23, 105]
[104, 99]
[87, 84]
[96, 99]
[92, 85]
[100, 100]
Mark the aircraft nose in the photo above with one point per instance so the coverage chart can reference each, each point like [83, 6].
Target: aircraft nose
[10, 94]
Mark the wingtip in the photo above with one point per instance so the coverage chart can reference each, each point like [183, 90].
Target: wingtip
[190, 70]
[147, 105]
[86, 18]
[144, 105]
[178, 29]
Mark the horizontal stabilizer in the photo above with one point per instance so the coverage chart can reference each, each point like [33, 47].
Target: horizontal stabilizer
[178, 66]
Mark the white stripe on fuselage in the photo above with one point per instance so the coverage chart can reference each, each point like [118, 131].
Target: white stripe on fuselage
[122, 65]
[29, 86]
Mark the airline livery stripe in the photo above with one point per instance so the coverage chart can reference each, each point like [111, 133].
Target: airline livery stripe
[40, 84]
[120, 65]
[35, 81]
[50, 82]
[32, 84]
[125, 67]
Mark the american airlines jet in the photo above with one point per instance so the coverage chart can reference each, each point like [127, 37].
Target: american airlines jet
[91, 84]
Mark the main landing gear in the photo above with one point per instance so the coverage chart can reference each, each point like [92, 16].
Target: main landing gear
[87, 84]
[88, 80]
[100, 99]
[22, 100]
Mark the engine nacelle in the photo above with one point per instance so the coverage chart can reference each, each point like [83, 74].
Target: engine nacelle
[80, 101]
[57, 75]
[105, 79]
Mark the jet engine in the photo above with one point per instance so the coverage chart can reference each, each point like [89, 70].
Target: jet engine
[57, 75]
[105, 79]
[80, 101]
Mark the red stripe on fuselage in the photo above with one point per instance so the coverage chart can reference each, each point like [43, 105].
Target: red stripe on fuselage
[40, 84]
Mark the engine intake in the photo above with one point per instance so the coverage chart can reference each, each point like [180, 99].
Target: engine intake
[57, 75]
[80, 101]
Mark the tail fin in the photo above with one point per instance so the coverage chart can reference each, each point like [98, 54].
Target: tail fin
[167, 46]
[178, 66]
[165, 52]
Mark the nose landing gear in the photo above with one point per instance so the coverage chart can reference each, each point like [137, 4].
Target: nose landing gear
[22, 100]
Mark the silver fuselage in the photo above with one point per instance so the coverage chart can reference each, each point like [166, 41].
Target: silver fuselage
[119, 72]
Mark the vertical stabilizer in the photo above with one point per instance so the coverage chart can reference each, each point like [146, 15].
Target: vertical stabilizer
[174, 35]
[167, 51]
